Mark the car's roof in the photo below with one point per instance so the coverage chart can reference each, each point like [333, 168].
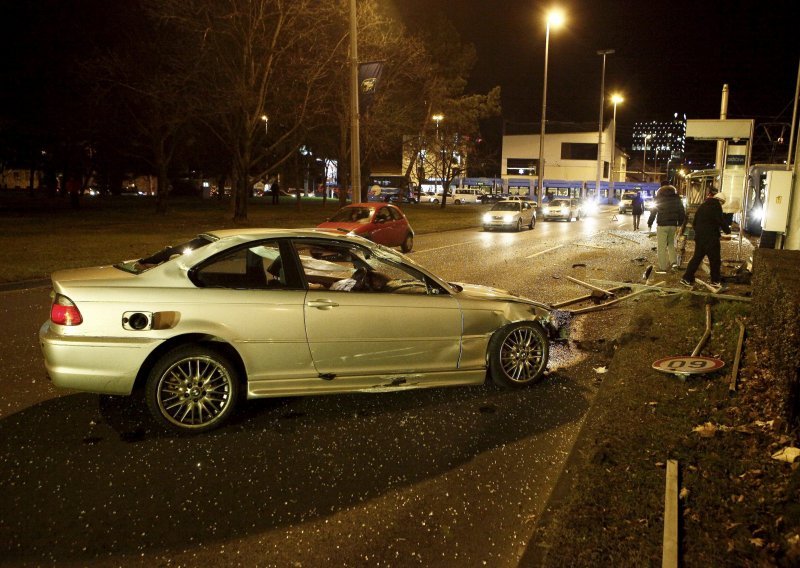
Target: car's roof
[265, 233]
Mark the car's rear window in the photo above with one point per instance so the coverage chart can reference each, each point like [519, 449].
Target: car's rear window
[353, 215]
[165, 254]
[506, 206]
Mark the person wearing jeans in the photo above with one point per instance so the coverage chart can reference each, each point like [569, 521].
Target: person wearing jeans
[669, 213]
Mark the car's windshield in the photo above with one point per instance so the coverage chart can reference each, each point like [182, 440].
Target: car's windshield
[559, 203]
[505, 206]
[165, 254]
[353, 215]
[628, 195]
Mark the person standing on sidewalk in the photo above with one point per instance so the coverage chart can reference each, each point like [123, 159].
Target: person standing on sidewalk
[668, 211]
[708, 222]
[637, 208]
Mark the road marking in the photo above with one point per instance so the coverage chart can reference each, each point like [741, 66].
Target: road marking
[446, 246]
[544, 251]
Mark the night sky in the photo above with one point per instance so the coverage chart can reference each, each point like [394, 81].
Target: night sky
[671, 56]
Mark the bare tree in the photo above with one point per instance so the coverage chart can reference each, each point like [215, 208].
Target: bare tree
[151, 81]
[257, 58]
[447, 150]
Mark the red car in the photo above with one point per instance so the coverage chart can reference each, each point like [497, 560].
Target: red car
[381, 223]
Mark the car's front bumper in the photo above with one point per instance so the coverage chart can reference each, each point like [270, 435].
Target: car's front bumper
[93, 364]
[500, 224]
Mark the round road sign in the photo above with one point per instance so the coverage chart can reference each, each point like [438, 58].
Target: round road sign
[687, 364]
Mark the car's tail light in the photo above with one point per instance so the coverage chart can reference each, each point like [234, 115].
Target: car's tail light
[65, 312]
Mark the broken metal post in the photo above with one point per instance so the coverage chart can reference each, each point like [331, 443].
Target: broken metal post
[584, 298]
[601, 306]
[623, 237]
[590, 286]
[669, 557]
[706, 334]
[737, 358]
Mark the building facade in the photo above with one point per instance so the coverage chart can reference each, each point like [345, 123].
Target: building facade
[570, 159]
[662, 146]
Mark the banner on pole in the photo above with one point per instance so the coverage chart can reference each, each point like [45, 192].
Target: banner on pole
[369, 74]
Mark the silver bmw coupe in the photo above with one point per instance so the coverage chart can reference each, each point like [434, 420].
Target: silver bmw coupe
[272, 313]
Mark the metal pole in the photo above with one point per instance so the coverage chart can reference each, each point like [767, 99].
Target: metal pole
[644, 157]
[355, 144]
[616, 98]
[602, 52]
[540, 186]
[723, 114]
[794, 120]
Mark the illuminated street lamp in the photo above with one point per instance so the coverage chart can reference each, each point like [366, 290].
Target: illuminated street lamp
[437, 118]
[602, 52]
[644, 156]
[555, 18]
[616, 98]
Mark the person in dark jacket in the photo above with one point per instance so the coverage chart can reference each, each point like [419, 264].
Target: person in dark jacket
[669, 213]
[708, 222]
[637, 208]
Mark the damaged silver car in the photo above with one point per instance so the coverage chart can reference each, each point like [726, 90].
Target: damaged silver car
[255, 313]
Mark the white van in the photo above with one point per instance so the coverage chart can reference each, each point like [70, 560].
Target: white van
[463, 195]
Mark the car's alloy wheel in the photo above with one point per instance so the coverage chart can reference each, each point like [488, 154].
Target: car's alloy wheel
[192, 389]
[518, 354]
[519, 225]
[408, 243]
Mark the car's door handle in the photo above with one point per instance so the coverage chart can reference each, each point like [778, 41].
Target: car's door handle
[322, 304]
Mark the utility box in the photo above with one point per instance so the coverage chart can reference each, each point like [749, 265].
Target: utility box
[777, 191]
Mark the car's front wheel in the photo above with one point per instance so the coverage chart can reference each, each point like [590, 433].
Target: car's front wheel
[519, 225]
[192, 389]
[408, 243]
[518, 354]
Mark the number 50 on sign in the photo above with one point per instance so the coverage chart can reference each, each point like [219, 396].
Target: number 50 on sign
[686, 364]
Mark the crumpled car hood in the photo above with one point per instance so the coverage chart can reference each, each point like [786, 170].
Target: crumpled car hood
[488, 293]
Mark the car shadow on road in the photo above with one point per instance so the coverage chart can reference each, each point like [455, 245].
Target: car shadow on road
[84, 477]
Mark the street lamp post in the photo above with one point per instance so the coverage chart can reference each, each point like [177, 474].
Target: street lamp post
[554, 18]
[602, 52]
[644, 157]
[437, 118]
[265, 118]
[616, 99]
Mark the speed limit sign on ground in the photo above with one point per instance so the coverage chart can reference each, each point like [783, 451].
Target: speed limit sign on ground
[686, 364]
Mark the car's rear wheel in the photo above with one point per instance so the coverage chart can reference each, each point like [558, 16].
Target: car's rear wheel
[532, 224]
[518, 354]
[192, 389]
[408, 243]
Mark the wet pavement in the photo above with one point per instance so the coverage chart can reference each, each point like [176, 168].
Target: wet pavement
[444, 477]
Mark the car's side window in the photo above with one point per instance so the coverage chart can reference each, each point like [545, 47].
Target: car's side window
[250, 268]
[340, 268]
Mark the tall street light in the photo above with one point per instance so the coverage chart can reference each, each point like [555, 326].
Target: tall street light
[644, 156]
[437, 118]
[555, 18]
[602, 52]
[616, 98]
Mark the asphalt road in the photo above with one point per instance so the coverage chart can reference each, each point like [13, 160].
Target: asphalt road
[444, 477]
